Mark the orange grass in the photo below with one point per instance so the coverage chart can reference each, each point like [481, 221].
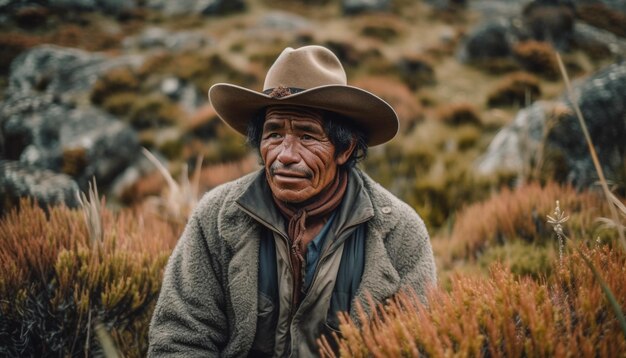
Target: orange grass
[55, 282]
[516, 214]
[503, 316]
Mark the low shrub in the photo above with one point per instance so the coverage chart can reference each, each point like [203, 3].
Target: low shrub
[457, 114]
[56, 282]
[398, 95]
[417, 70]
[537, 57]
[384, 28]
[599, 15]
[519, 215]
[154, 110]
[32, 16]
[120, 80]
[11, 45]
[502, 316]
[518, 88]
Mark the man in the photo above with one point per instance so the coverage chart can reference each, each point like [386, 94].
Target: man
[267, 261]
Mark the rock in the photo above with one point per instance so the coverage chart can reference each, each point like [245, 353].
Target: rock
[44, 186]
[352, 7]
[601, 101]
[63, 72]
[284, 21]
[516, 144]
[156, 37]
[551, 21]
[490, 40]
[82, 142]
[205, 7]
[113, 6]
[110, 6]
[597, 40]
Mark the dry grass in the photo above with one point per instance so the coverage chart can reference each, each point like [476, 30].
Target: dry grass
[55, 282]
[500, 316]
[515, 89]
[398, 95]
[518, 215]
[599, 15]
[460, 113]
[537, 57]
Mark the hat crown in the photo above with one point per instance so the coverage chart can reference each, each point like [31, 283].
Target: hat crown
[305, 68]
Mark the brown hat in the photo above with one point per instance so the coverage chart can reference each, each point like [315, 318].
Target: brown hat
[309, 76]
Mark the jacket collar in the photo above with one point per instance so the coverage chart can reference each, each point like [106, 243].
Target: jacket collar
[241, 232]
[355, 208]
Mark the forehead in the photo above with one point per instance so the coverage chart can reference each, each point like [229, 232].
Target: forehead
[294, 113]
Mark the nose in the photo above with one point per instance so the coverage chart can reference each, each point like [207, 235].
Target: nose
[288, 152]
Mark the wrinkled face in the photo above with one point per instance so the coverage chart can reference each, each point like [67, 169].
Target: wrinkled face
[299, 157]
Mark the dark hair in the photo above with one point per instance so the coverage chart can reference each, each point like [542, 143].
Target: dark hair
[339, 129]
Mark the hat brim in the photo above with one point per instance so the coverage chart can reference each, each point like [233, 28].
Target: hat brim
[237, 105]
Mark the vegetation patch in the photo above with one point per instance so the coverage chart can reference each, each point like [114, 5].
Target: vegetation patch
[503, 316]
[516, 89]
[537, 57]
[599, 15]
[57, 282]
[519, 215]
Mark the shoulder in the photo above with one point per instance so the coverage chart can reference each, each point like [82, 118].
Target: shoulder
[219, 204]
[387, 206]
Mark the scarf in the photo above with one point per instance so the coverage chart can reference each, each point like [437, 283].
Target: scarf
[321, 206]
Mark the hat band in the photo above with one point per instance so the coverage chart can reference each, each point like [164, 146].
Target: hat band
[280, 91]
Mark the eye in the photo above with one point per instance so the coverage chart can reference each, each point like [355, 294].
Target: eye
[273, 135]
[307, 137]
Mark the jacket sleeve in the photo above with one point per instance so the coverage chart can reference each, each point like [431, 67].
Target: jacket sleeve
[412, 253]
[189, 319]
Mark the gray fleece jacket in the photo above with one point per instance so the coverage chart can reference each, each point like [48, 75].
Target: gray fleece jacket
[208, 300]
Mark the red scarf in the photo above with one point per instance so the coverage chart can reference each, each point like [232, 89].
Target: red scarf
[321, 206]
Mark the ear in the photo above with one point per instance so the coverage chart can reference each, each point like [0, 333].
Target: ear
[343, 157]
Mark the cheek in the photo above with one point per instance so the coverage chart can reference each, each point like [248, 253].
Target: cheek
[320, 160]
[267, 154]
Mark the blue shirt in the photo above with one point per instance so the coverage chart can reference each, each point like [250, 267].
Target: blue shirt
[314, 251]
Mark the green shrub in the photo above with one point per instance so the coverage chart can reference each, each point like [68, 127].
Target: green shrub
[56, 283]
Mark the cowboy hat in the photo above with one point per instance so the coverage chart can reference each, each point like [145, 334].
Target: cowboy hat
[313, 77]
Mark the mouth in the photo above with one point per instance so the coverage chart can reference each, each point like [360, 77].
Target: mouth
[289, 174]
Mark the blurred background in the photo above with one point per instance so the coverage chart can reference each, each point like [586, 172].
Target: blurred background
[488, 141]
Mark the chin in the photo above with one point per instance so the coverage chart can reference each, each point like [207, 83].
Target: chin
[292, 197]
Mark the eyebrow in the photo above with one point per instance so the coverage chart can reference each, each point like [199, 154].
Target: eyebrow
[305, 127]
[272, 126]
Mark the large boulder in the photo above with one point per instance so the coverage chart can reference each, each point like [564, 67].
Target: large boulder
[46, 187]
[64, 72]
[160, 38]
[81, 142]
[47, 122]
[554, 129]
